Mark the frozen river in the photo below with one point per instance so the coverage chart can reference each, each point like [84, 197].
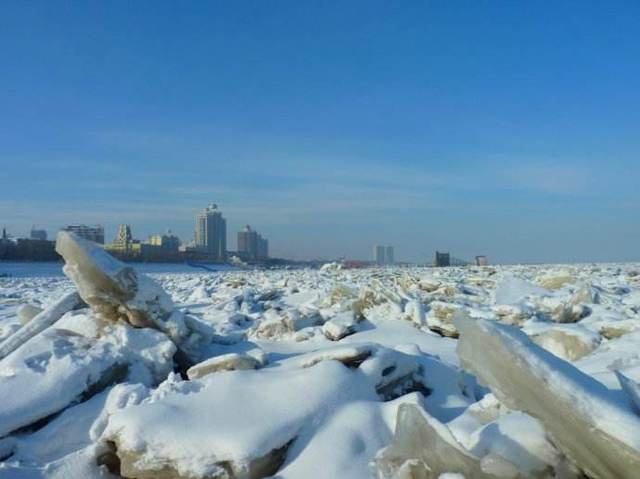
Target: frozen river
[26, 269]
[321, 373]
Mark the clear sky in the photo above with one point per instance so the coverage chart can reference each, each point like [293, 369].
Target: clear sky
[510, 129]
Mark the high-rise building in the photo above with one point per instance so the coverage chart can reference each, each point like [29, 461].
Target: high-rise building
[379, 254]
[383, 255]
[38, 234]
[263, 248]
[211, 233]
[389, 255]
[251, 245]
[247, 242]
[443, 259]
[95, 234]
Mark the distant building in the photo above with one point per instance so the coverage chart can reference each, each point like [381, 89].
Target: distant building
[247, 242]
[6, 246]
[95, 234]
[27, 249]
[168, 243]
[37, 249]
[263, 248]
[389, 255]
[211, 233]
[124, 244]
[252, 246]
[124, 236]
[158, 248]
[481, 261]
[383, 255]
[37, 234]
[443, 259]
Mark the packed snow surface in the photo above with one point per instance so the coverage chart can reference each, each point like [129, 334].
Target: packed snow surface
[388, 373]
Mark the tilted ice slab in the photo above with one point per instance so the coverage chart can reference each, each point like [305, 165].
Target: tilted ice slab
[428, 448]
[39, 323]
[631, 389]
[583, 417]
[115, 291]
[239, 422]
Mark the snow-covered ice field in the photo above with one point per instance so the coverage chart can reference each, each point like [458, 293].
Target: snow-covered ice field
[491, 372]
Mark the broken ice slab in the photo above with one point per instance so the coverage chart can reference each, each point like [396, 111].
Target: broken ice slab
[115, 291]
[567, 341]
[415, 312]
[561, 310]
[583, 417]
[27, 312]
[521, 440]
[225, 362]
[556, 280]
[341, 325]
[39, 323]
[50, 372]
[349, 355]
[427, 447]
[394, 373]
[512, 291]
[631, 388]
[440, 318]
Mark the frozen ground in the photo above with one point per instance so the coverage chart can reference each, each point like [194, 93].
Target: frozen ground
[499, 372]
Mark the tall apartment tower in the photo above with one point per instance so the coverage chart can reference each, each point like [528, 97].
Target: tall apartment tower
[247, 242]
[251, 245]
[211, 233]
[442, 259]
[263, 248]
[379, 254]
[389, 255]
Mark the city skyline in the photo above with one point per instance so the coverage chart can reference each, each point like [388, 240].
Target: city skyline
[500, 129]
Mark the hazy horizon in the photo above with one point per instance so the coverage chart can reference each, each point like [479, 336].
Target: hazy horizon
[500, 129]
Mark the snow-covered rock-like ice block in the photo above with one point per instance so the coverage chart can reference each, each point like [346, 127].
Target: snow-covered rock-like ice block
[50, 372]
[115, 291]
[583, 417]
[238, 423]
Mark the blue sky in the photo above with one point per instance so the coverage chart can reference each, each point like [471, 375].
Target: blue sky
[510, 129]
